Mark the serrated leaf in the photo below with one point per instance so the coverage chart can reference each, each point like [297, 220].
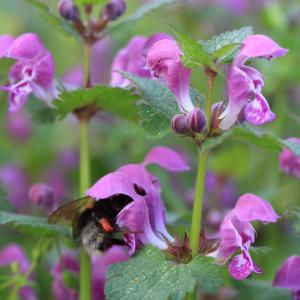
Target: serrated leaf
[121, 102]
[260, 290]
[217, 42]
[194, 55]
[150, 276]
[54, 21]
[158, 106]
[139, 13]
[264, 141]
[33, 225]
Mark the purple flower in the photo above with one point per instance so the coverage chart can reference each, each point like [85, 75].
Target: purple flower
[236, 232]
[288, 276]
[14, 254]
[69, 158]
[164, 62]
[66, 271]
[132, 59]
[19, 126]
[144, 217]
[290, 162]
[43, 195]
[14, 181]
[113, 10]
[33, 71]
[245, 83]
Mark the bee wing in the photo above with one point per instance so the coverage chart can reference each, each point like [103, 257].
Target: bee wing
[69, 212]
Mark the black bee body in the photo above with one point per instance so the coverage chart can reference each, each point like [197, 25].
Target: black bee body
[93, 222]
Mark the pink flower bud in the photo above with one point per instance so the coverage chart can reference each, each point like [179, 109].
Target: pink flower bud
[196, 120]
[43, 195]
[114, 9]
[68, 10]
[178, 124]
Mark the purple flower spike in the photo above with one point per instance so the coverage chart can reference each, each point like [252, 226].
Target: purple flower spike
[289, 162]
[132, 59]
[163, 61]
[14, 254]
[144, 218]
[236, 232]
[245, 83]
[33, 71]
[288, 276]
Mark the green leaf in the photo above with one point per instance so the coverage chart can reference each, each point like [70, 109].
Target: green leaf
[138, 14]
[158, 108]
[194, 55]
[39, 112]
[149, 276]
[54, 21]
[264, 141]
[121, 102]
[33, 225]
[216, 43]
[259, 290]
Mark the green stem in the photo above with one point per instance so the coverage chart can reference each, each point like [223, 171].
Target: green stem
[201, 170]
[197, 208]
[85, 266]
[87, 49]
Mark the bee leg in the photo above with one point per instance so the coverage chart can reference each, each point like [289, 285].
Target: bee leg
[118, 242]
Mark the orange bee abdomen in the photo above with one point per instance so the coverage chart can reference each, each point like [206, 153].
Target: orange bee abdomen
[106, 225]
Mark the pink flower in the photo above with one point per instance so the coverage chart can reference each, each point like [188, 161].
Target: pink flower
[290, 162]
[288, 276]
[245, 83]
[144, 216]
[132, 59]
[14, 254]
[236, 232]
[33, 71]
[19, 126]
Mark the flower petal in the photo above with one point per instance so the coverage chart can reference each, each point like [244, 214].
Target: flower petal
[258, 45]
[258, 111]
[6, 41]
[242, 266]
[288, 276]
[26, 46]
[164, 62]
[112, 184]
[240, 88]
[166, 158]
[250, 207]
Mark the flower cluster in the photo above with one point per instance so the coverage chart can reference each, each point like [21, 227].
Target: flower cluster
[236, 232]
[33, 71]
[144, 217]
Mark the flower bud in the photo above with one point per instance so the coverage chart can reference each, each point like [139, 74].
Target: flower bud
[43, 195]
[196, 120]
[68, 10]
[178, 124]
[113, 10]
